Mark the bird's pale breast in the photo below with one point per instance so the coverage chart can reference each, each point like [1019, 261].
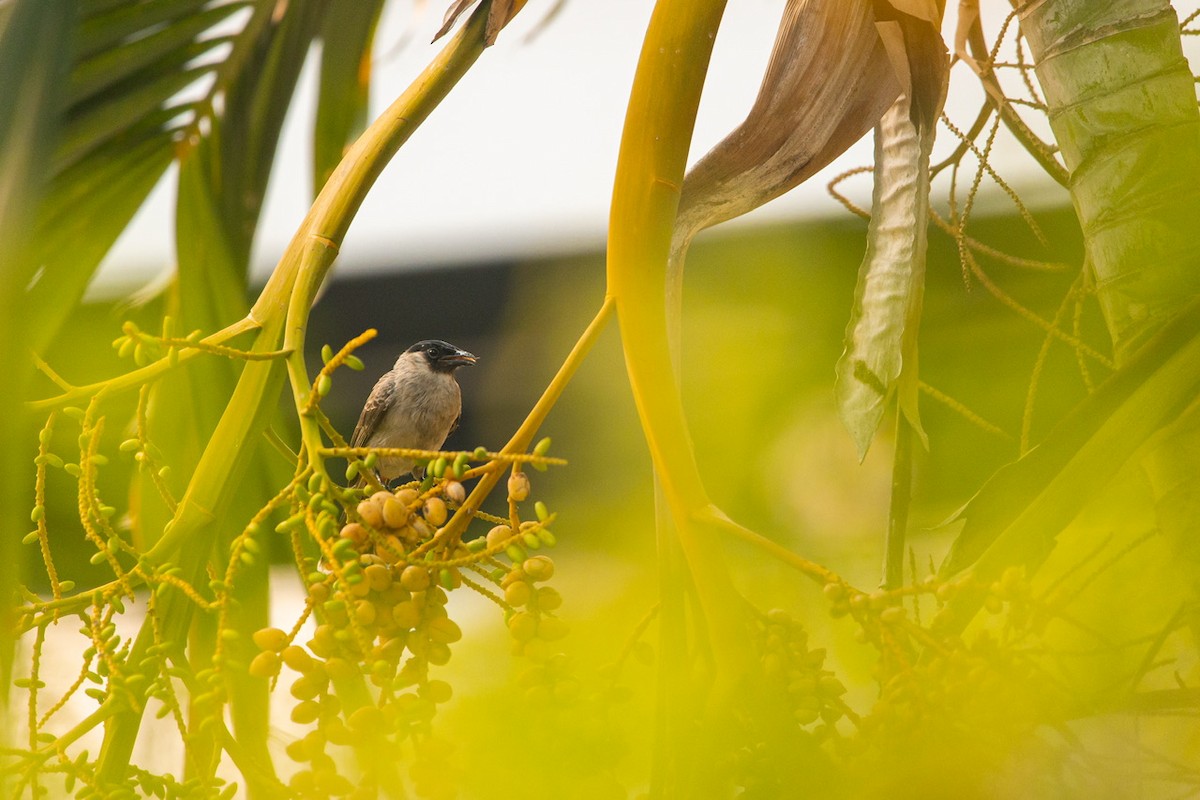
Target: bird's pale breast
[420, 416]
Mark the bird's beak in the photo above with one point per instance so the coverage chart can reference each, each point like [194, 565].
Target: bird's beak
[461, 358]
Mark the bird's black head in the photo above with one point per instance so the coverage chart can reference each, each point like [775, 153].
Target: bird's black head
[442, 356]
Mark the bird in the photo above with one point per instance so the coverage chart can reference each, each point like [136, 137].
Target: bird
[416, 404]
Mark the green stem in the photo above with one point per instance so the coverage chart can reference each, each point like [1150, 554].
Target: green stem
[258, 772]
[893, 557]
[136, 378]
[121, 729]
[520, 440]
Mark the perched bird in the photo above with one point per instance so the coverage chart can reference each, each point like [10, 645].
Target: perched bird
[416, 404]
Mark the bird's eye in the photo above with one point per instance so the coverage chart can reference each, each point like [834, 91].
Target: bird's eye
[432, 352]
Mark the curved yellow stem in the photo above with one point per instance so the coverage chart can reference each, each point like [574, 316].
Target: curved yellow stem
[654, 148]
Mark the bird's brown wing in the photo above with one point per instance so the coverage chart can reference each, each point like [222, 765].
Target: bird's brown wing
[376, 406]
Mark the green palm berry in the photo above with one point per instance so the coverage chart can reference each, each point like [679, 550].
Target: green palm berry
[518, 593]
[272, 639]
[444, 630]
[305, 712]
[523, 626]
[548, 598]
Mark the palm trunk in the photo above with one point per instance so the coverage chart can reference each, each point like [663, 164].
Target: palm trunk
[1122, 105]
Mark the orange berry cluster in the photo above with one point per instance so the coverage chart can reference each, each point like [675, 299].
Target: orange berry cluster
[380, 603]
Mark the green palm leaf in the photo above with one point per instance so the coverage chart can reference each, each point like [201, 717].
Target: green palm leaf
[1016, 517]
[134, 90]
